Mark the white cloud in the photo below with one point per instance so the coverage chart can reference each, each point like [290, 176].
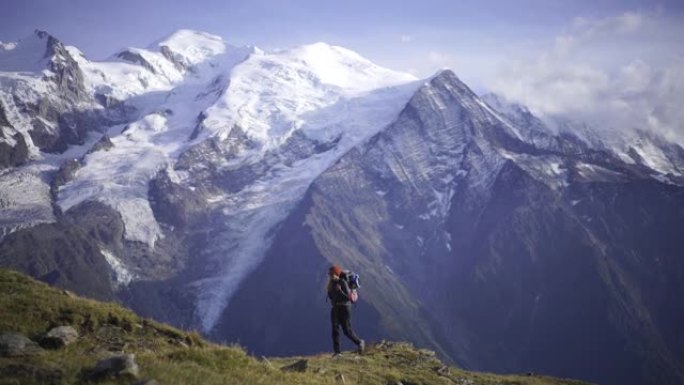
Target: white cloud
[590, 74]
[406, 38]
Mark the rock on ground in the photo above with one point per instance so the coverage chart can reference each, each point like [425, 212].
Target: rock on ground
[122, 365]
[16, 345]
[59, 337]
[299, 366]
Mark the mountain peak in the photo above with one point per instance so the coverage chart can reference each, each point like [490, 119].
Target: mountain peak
[344, 68]
[41, 34]
[191, 47]
[321, 48]
[447, 75]
[52, 44]
[28, 54]
[300, 82]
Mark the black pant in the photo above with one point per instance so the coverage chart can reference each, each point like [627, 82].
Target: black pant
[340, 315]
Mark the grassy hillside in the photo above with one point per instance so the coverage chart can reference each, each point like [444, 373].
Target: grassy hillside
[171, 356]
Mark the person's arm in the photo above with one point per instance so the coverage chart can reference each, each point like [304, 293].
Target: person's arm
[343, 289]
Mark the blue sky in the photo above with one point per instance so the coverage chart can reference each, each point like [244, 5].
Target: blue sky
[555, 56]
[373, 28]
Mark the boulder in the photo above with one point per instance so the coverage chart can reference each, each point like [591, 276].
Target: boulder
[299, 366]
[17, 345]
[59, 337]
[121, 365]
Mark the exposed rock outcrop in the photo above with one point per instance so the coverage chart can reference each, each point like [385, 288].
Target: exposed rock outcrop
[13, 155]
[136, 58]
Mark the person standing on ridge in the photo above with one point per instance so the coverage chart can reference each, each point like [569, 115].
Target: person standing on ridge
[340, 314]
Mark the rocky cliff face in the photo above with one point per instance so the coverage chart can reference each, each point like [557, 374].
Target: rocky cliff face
[211, 187]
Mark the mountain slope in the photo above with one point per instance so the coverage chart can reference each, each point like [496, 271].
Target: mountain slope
[170, 356]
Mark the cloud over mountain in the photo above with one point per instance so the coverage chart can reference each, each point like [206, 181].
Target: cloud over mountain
[617, 72]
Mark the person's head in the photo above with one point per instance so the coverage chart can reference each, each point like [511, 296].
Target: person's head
[333, 276]
[334, 271]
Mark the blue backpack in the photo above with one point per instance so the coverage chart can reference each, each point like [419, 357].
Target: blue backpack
[353, 283]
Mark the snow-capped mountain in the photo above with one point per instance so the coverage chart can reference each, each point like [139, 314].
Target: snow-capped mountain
[210, 186]
[632, 146]
[275, 119]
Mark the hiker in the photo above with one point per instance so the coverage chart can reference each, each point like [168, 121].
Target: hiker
[340, 314]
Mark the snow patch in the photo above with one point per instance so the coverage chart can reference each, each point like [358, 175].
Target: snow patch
[24, 198]
[119, 178]
[122, 275]
[548, 169]
[598, 173]
[240, 249]
[654, 158]
[663, 179]
[447, 238]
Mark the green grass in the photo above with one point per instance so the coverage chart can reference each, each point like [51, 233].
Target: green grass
[172, 356]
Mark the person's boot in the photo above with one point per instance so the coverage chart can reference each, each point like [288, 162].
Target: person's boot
[362, 346]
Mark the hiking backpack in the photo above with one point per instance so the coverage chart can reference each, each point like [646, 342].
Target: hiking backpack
[353, 283]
